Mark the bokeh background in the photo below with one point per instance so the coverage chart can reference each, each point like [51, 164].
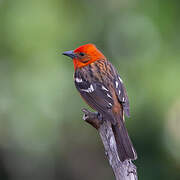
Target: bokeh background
[42, 135]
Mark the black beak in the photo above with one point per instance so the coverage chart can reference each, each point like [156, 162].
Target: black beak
[71, 54]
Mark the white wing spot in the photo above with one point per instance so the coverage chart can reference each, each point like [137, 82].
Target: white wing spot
[119, 92]
[110, 104]
[108, 95]
[123, 99]
[89, 90]
[120, 79]
[92, 88]
[104, 88]
[117, 84]
[78, 80]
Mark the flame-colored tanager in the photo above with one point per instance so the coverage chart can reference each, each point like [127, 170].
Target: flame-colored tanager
[100, 85]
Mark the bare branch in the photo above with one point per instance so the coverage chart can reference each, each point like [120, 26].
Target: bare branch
[122, 170]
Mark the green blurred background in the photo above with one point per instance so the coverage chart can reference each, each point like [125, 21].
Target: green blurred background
[42, 135]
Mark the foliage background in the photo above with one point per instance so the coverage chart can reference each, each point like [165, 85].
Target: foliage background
[42, 135]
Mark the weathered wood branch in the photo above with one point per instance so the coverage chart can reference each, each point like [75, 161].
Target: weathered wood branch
[122, 170]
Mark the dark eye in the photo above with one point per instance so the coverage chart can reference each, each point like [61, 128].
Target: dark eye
[81, 54]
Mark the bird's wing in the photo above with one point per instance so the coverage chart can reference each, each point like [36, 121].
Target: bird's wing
[97, 96]
[120, 91]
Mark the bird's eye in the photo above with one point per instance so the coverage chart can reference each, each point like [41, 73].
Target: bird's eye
[81, 54]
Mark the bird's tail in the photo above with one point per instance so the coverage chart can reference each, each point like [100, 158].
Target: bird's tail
[124, 145]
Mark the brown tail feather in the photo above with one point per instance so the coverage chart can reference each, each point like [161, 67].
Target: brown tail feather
[124, 145]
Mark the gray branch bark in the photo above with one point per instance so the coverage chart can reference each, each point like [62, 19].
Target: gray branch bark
[122, 170]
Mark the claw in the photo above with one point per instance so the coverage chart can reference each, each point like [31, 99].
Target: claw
[93, 118]
[84, 110]
[86, 114]
[85, 117]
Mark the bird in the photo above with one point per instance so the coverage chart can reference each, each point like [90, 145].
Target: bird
[102, 88]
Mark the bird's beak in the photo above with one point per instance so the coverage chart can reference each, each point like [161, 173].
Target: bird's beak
[71, 54]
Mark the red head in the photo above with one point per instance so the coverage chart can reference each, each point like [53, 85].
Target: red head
[84, 55]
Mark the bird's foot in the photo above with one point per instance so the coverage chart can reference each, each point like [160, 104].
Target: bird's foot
[93, 118]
